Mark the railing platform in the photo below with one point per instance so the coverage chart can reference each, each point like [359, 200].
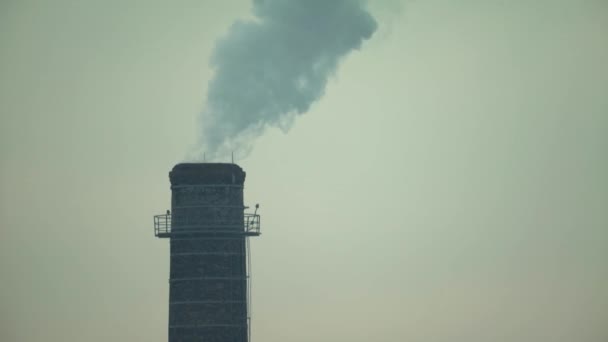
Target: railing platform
[250, 227]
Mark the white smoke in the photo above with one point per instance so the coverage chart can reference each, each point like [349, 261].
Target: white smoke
[273, 67]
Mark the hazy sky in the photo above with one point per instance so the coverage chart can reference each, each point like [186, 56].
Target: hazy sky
[450, 185]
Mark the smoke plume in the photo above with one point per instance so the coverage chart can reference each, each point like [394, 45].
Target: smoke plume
[271, 68]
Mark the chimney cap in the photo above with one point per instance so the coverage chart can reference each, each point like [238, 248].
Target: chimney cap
[206, 173]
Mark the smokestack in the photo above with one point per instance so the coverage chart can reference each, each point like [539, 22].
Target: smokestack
[208, 232]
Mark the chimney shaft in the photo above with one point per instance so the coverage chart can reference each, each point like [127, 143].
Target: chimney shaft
[207, 227]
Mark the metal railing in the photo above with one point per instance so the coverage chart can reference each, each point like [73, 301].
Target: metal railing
[252, 224]
[162, 225]
[251, 227]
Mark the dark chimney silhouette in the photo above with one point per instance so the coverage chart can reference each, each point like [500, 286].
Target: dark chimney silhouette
[208, 233]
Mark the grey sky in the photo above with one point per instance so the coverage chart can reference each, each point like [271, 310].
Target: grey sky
[450, 185]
